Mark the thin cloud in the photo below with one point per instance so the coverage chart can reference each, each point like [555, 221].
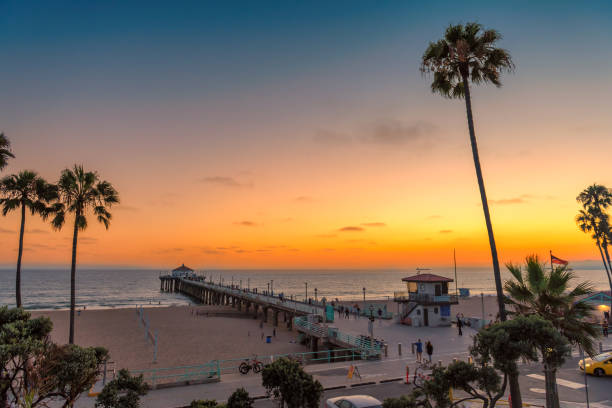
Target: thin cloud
[6, 231]
[351, 228]
[246, 223]
[223, 181]
[37, 231]
[169, 251]
[325, 235]
[330, 138]
[396, 133]
[434, 217]
[303, 199]
[129, 208]
[374, 224]
[447, 231]
[522, 199]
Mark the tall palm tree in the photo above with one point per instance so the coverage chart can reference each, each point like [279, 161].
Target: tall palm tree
[548, 294]
[467, 53]
[588, 223]
[80, 191]
[5, 151]
[26, 191]
[595, 200]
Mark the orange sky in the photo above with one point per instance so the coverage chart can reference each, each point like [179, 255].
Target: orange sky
[262, 156]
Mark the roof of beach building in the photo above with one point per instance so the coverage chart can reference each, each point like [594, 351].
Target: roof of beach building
[426, 277]
[601, 295]
[182, 268]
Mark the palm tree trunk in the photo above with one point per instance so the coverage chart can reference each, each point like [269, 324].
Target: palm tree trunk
[72, 276]
[515, 390]
[20, 253]
[485, 204]
[552, 396]
[608, 268]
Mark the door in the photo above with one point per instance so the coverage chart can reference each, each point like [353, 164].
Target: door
[425, 317]
[608, 367]
[438, 290]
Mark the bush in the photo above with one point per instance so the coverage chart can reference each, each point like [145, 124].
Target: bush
[122, 392]
[288, 383]
[205, 404]
[405, 401]
[240, 399]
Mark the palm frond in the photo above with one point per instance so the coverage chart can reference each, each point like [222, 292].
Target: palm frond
[466, 53]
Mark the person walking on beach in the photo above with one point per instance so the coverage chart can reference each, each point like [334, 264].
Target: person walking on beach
[419, 350]
[459, 325]
[429, 349]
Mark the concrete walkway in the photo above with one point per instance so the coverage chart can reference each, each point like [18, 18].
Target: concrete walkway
[448, 345]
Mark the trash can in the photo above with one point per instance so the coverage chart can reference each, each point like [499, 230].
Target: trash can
[268, 339]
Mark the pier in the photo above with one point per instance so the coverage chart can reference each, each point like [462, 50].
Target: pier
[308, 319]
[259, 305]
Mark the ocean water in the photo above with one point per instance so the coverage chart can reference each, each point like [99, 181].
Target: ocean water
[115, 288]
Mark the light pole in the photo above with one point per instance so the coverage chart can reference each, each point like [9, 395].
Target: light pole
[268, 287]
[364, 303]
[586, 385]
[315, 295]
[306, 298]
[248, 284]
[371, 324]
[272, 286]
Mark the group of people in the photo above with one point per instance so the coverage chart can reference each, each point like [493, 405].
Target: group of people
[419, 350]
[347, 311]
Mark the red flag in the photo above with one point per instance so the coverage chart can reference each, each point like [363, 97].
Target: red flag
[558, 261]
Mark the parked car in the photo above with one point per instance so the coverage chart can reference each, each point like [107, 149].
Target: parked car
[599, 365]
[353, 401]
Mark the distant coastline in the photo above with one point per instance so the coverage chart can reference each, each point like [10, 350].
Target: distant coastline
[48, 289]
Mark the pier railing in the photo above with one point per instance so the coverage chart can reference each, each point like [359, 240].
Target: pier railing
[267, 299]
[367, 347]
[423, 297]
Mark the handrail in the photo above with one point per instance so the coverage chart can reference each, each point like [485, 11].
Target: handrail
[258, 297]
[371, 347]
[424, 297]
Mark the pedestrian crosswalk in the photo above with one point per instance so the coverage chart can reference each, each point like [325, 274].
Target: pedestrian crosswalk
[566, 383]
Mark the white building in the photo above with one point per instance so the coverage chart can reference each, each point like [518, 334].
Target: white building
[183, 272]
[426, 302]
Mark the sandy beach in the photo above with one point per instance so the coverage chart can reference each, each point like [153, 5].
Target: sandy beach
[186, 335]
[191, 335]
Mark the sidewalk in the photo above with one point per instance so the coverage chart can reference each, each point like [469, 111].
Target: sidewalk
[330, 375]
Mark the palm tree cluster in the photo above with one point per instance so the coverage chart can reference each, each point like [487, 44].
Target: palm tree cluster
[76, 193]
[594, 219]
[468, 53]
[534, 290]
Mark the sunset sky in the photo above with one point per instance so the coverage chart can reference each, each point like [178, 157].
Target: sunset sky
[301, 134]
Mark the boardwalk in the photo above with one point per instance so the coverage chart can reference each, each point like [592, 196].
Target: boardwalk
[306, 318]
[244, 300]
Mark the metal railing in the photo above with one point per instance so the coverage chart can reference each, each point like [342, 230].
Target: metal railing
[424, 297]
[206, 372]
[213, 370]
[367, 346]
[261, 298]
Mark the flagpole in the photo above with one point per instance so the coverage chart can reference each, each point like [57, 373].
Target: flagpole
[455, 260]
[551, 264]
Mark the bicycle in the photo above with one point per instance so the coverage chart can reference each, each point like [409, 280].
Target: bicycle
[426, 365]
[248, 365]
